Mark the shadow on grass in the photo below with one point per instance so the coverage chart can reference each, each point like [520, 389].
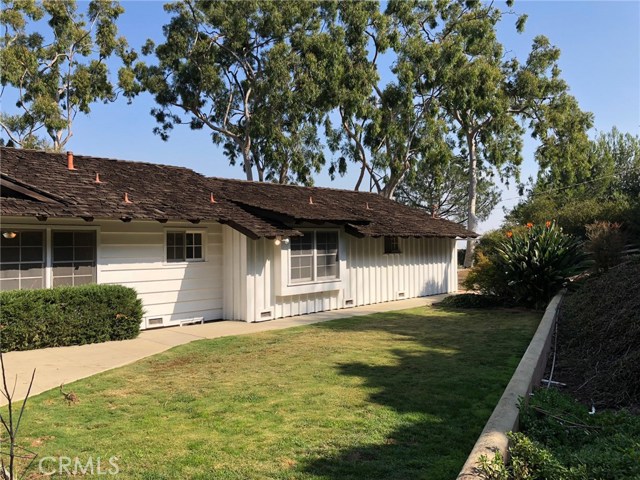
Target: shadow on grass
[445, 389]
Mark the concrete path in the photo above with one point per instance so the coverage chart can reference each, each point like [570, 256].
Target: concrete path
[55, 366]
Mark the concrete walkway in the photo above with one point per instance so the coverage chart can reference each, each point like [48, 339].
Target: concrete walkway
[55, 366]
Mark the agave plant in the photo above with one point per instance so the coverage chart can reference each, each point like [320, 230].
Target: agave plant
[538, 261]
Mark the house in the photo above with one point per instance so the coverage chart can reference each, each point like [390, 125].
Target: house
[197, 247]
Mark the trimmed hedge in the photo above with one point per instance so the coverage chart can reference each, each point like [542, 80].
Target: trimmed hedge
[63, 316]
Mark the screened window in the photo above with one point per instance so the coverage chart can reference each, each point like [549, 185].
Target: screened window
[392, 245]
[184, 246]
[74, 258]
[314, 257]
[22, 259]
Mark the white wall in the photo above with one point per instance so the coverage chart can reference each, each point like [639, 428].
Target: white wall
[425, 267]
[133, 254]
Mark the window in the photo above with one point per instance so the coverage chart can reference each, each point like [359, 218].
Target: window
[184, 247]
[21, 259]
[392, 245]
[74, 258]
[314, 257]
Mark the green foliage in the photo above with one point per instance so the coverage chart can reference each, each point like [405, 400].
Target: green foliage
[58, 73]
[252, 74]
[441, 187]
[538, 262]
[560, 440]
[605, 244]
[471, 300]
[602, 184]
[56, 317]
[600, 334]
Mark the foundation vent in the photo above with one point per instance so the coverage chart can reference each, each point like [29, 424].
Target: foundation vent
[401, 295]
[348, 303]
[155, 321]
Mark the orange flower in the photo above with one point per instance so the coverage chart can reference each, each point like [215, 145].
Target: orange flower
[547, 224]
[529, 225]
[509, 234]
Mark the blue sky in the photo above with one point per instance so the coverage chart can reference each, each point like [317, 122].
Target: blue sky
[599, 40]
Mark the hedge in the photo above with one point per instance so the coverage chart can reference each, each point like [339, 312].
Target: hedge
[63, 316]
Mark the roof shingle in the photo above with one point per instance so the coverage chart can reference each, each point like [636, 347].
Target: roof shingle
[161, 192]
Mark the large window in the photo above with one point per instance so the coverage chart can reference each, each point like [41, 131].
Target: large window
[314, 257]
[22, 259]
[184, 247]
[74, 258]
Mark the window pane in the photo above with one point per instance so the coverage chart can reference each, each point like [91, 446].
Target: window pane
[63, 270]
[63, 281]
[83, 253]
[10, 270]
[10, 242]
[82, 280]
[31, 270]
[30, 283]
[10, 254]
[171, 239]
[84, 239]
[62, 239]
[197, 252]
[31, 254]
[62, 254]
[31, 239]
[302, 245]
[83, 269]
[7, 284]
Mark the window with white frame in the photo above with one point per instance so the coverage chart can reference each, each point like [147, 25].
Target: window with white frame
[183, 246]
[73, 257]
[314, 257]
[22, 259]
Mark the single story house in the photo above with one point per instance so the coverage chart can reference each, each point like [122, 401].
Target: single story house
[197, 247]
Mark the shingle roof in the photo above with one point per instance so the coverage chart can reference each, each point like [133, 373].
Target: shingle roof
[161, 192]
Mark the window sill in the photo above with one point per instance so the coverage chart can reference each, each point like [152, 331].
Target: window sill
[310, 287]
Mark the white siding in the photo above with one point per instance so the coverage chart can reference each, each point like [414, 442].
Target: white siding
[133, 254]
[425, 267]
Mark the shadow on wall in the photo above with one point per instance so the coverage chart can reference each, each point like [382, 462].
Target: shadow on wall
[444, 390]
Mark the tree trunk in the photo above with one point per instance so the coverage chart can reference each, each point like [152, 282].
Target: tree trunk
[472, 222]
[246, 158]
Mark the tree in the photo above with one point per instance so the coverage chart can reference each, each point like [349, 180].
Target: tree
[484, 98]
[439, 185]
[55, 77]
[601, 184]
[249, 72]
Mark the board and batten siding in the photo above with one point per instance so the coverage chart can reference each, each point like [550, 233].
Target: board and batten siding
[426, 266]
[133, 254]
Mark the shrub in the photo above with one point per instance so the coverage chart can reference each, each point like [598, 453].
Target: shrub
[471, 300]
[560, 440]
[605, 243]
[486, 277]
[64, 316]
[599, 335]
[538, 261]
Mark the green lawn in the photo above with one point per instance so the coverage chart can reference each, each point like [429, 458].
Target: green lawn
[399, 395]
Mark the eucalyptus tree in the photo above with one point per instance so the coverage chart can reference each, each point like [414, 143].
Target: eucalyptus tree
[53, 59]
[486, 99]
[249, 73]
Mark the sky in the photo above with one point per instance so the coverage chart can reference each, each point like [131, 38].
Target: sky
[600, 60]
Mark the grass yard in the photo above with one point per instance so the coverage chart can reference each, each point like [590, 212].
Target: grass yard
[399, 395]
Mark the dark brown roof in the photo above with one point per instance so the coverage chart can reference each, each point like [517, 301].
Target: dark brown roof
[37, 183]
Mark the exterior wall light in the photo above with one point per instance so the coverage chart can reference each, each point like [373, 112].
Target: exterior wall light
[9, 234]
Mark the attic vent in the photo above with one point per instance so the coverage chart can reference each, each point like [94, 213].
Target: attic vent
[154, 321]
[400, 294]
[348, 303]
